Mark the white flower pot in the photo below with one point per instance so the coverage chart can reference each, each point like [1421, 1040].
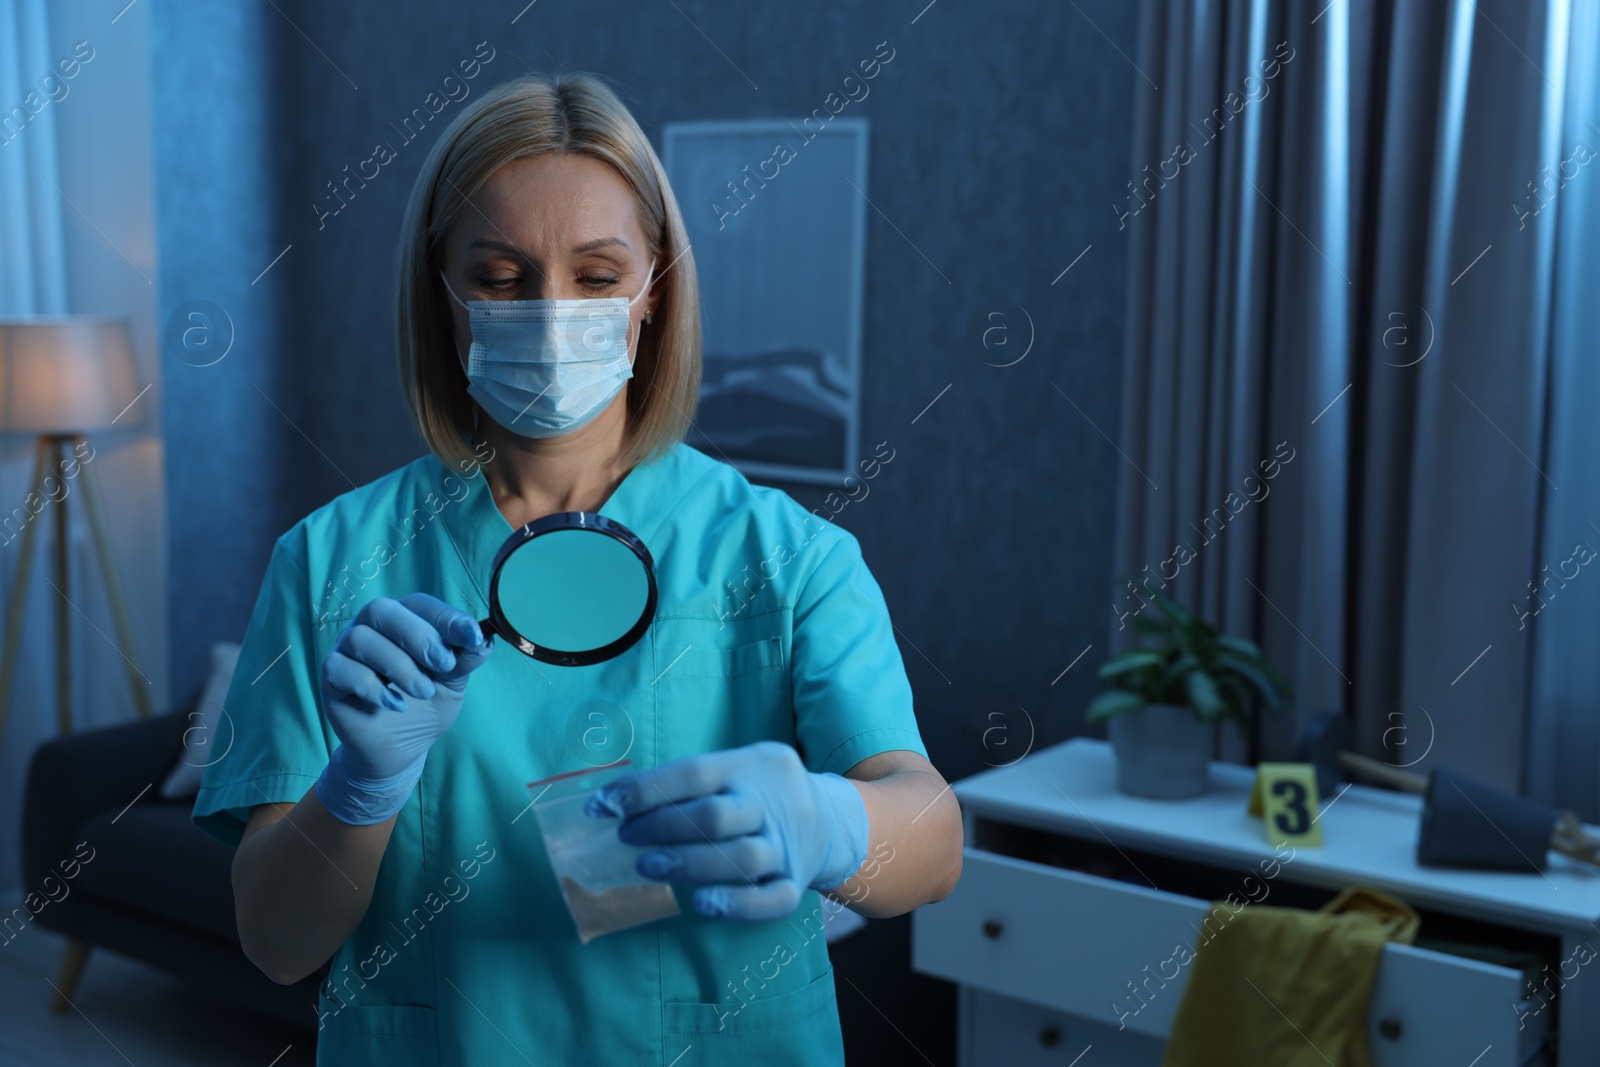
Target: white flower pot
[1162, 751]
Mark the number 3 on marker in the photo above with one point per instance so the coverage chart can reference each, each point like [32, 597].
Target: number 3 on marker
[1292, 819]
[1286, 794]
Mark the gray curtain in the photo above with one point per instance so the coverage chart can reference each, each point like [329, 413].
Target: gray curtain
[1563, 757]
[1348, 310]
[33, 281]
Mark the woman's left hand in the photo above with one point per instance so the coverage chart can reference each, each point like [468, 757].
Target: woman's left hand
[752, 822]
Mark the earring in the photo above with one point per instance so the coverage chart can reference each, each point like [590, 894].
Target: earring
[649, 317]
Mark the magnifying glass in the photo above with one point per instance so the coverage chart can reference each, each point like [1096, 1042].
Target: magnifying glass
[573, 588]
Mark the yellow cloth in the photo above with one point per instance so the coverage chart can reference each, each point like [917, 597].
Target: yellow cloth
[1285, 987]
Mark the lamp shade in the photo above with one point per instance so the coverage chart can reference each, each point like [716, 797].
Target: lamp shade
[66, 375]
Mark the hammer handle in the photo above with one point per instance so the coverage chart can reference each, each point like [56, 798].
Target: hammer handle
[1382, 772]
[1577, 852]
[1569, 838]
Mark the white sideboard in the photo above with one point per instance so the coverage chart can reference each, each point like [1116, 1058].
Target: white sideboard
[1052, 960]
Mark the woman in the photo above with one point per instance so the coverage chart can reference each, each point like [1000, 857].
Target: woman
[376, 789]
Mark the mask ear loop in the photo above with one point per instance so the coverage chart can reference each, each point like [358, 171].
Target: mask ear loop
[452, 293]
[648, 276]
[455, 341]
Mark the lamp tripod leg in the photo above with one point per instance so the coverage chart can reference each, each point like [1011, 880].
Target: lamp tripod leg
[73, 961]
[63, 583]
[19, 596]
[108, 567]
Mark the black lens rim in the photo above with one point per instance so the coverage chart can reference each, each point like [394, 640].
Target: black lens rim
[572, 520]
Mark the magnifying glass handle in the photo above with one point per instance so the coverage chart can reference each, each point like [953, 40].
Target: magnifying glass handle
[486, 628]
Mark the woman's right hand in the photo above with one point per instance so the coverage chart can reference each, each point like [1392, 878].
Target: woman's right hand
[384, 736]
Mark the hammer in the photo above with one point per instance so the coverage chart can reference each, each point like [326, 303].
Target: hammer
[1325, 745]
[1465, 822]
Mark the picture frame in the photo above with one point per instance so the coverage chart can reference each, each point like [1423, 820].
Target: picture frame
[776, 215]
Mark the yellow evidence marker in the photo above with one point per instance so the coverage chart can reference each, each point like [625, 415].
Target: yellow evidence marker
[1285, 794]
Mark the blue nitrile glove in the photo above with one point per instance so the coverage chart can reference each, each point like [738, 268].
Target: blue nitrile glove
[386, 736]
[752, 821]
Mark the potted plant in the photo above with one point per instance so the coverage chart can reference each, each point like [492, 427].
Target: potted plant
[1168, 695]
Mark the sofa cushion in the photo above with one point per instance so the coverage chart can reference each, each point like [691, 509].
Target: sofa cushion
[154, 859]
[204, 731]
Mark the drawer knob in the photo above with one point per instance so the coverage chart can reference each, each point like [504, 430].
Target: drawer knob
[992, 929]
[1049, 1037]
[1389, 1028]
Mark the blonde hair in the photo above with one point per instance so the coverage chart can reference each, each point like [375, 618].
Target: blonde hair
[576, 114]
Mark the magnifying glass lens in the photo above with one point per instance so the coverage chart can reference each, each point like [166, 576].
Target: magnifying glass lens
[572, 589]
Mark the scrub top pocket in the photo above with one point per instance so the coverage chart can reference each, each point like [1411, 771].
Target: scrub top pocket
[780, 1029]
[704, 661]
[379, 1033]
[720, 686]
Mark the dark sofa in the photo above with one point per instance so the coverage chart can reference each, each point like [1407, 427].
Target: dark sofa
[156, 888]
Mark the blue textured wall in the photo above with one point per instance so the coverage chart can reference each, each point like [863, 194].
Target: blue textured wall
[225, 109]
[1001, 133]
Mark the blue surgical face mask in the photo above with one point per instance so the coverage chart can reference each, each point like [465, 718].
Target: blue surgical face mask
[543, 368]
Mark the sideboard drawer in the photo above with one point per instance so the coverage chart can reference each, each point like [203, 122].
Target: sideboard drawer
[1001, 1032]
[1094, 947]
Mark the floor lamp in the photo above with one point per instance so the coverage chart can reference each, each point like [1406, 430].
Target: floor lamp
[59, 379]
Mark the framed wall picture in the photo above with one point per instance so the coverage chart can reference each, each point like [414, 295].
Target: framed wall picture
[776, 214]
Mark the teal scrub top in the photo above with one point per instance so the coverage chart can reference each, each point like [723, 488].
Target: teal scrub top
[769, 626]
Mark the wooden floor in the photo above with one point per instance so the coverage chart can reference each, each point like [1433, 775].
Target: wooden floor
[127, 1013]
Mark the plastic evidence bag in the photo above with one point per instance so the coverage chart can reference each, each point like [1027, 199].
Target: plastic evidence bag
[603, 890]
